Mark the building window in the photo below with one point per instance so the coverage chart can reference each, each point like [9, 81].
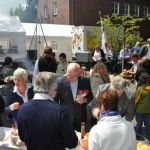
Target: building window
[136, 10]
[145, 11]
[54, 45]
[55, 11]
[115, 8]
[45, 12]
[4, 46]
[125, 9]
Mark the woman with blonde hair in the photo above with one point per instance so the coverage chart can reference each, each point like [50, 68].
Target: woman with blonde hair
[99, 76]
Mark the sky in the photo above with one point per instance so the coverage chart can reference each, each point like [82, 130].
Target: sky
[5, 5]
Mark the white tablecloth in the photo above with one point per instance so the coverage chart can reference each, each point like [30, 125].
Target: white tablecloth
[5, 142]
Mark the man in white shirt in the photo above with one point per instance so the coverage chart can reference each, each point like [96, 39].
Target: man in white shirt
[62, 65]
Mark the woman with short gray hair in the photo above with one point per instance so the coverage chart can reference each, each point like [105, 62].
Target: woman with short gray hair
[44, 82]
[119, 83]
[126, 105]
[21, 92]
[21, 72]
[42, 116]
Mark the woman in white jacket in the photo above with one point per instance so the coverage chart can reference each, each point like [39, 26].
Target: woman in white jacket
[112, 132]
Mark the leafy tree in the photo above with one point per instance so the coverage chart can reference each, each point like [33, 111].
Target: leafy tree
[19, 11]
[28, 14]
[31, 11]
[121, 30]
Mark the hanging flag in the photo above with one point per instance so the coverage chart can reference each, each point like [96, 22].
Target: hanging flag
[103, 35]
[104, 40]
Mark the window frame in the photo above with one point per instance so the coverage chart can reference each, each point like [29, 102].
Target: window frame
[55, 9]
[145, 13]
[45, 12]
[125, 9]
[136, 10]
[54, 44]
[115, 8]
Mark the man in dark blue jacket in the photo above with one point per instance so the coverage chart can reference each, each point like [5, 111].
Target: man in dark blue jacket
[74, 92]
[42, 123]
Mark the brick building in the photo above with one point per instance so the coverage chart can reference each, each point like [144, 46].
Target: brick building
[85, 12]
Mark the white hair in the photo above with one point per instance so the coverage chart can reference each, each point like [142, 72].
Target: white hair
[21, 72]
[44, 82]
[119, 83]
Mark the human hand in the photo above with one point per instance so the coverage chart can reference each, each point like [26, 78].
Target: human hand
[94, 59]
[14, 106]
[128, 71]
[7, 79]
[124, 70]
[99, 59]
[96, 113]
[81, 99]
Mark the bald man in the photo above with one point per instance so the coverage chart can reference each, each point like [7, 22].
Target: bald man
[74, 91]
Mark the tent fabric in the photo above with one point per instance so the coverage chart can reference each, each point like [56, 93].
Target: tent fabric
[12, 38]
[10, 24]
[50, 30]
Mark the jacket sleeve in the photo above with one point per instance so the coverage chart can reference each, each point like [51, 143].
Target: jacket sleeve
[1, 104]
[58, 94]
[142, 51]
[20, 126]
[90, 95]
[9, 101]
[68, 134]
[92, 104]
[129, 115]
[102, 53]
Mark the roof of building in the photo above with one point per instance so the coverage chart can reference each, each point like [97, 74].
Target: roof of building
[10, 24]
[53, 30]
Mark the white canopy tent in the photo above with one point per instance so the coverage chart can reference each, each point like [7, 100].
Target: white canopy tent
[59, 37]
[12, 38]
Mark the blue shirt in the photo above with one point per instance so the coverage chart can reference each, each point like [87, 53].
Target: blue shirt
[124, 53]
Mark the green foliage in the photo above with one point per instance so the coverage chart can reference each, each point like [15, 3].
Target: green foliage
[97, 34]
[28, 14]
[121, 30]
[19, 11]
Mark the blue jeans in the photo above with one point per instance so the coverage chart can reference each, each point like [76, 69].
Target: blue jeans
[140, 119]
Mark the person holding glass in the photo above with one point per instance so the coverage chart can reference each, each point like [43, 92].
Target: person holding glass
[74, 91]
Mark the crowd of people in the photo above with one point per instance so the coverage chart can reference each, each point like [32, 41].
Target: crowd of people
[59, 99]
